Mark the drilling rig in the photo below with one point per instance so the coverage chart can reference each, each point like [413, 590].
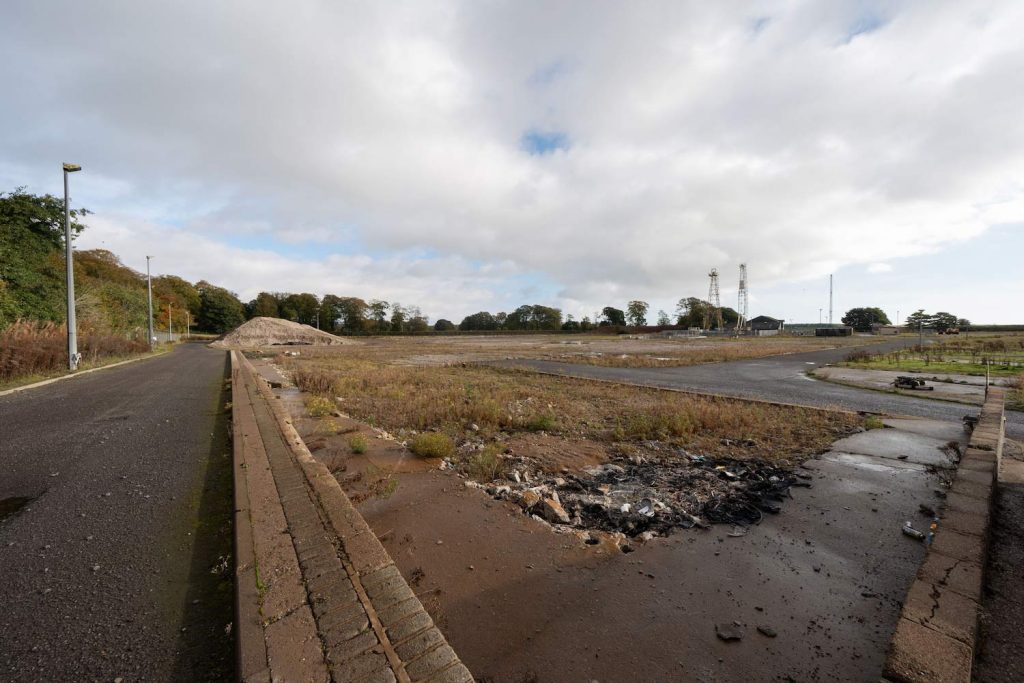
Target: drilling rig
[713, 313]
[741, 307]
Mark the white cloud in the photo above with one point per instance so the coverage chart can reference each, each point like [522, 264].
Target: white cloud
[700, 134]
[879, 268]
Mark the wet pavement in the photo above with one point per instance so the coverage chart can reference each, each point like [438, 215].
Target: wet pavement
[826, 576]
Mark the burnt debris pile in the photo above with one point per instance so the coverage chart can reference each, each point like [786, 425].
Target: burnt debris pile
[647, 497]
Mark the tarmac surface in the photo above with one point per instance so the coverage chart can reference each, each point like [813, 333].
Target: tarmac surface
[776, 378]
[113, 552]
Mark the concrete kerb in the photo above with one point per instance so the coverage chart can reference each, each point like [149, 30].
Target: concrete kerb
[80, 373]
[936, 636]
[250, 645]
[366, 561]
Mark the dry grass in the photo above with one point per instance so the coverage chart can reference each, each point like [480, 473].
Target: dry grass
[29, 348]
[486, 403]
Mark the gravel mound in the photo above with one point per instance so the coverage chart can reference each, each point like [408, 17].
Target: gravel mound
[275, 332]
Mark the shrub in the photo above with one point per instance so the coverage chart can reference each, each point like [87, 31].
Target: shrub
[873, 422]
[318, 406]
[34, 348]
[358, 443]
[543, 422]
[432, 445]
[858, 356]
[486, 465]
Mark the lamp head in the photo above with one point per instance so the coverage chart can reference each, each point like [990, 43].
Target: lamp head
[71, 168]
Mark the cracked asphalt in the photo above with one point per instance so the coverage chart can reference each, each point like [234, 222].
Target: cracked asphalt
[119, 565]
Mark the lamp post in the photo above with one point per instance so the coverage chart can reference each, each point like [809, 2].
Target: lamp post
[72, 325]
[149, 292]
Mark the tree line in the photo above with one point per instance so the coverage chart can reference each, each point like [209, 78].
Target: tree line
[109, 295]
[862, 319]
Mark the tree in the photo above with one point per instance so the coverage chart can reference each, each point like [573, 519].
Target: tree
[219, 309]
[352, 314]
[31, 258]
[861, 319]
[263, 306]
[690, 312]
[479, 321]
[443, 325]
[663, 319]
[636, 313]
[379, 314]
[943, 321]
[918, 319]
[612, 316]
[535, 317]
[417, 323]
[398, 317]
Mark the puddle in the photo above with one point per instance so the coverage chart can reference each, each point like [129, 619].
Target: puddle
[12, 506]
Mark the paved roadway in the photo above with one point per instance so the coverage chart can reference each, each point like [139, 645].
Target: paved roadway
[120, 566]
[776, 378]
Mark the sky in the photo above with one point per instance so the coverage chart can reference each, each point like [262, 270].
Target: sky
[466, 156]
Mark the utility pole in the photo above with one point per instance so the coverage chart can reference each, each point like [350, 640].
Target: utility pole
[73, 357]
[170, 331]
[830, 300]
[149, 289]
[188, 324]
[819, 316]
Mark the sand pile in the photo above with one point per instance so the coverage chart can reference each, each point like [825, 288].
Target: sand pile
[275, 332]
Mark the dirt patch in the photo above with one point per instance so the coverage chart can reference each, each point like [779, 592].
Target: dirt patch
[553, 455]
[260, 332]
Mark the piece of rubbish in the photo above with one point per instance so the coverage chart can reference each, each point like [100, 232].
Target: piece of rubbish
[909, 530]
[624, 508]
[729, 632]
[767, 631]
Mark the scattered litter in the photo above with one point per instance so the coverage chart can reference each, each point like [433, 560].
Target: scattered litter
[926, 510]
[909, 530]
[657, 492]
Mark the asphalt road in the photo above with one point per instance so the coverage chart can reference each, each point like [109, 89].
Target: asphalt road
[119, 565]
[776, 378]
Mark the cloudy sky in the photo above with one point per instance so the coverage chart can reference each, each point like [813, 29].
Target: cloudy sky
[479, 155]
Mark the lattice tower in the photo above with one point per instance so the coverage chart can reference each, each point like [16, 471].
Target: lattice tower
[742, 302]
[714, 313]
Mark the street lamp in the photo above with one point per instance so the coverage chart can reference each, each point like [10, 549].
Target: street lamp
[73, 357]
[149, 292]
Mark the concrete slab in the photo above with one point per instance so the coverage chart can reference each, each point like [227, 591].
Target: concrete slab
[896, 444]
[937, 429]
